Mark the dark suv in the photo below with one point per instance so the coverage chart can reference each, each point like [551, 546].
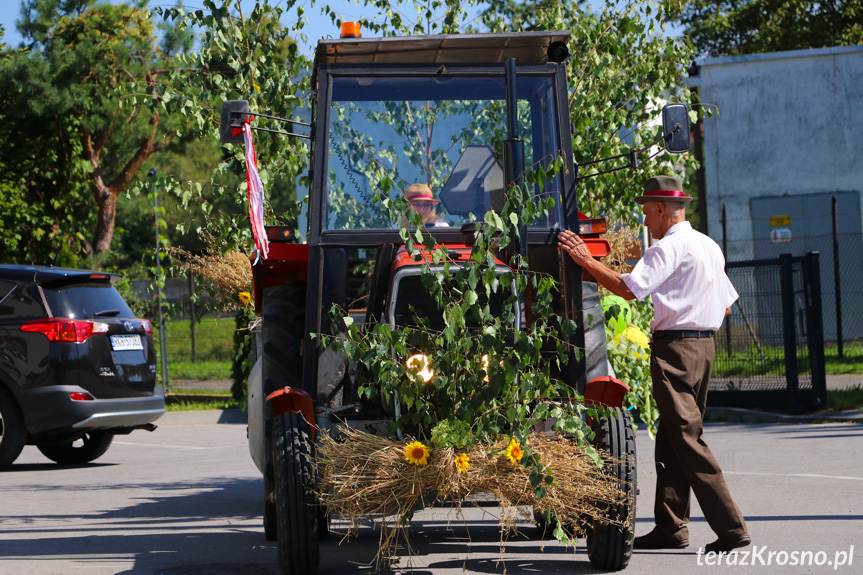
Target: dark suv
[76, 366]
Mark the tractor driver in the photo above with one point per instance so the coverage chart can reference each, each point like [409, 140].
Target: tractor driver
[424, 203]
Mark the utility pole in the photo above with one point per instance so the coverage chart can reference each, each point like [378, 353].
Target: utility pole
[162, 344]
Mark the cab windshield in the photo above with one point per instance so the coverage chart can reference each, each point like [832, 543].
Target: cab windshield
[443, 132]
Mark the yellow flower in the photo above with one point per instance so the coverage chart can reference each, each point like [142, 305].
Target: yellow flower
[636, 336]
[416, 453]
[245, 297]
[513, 451]
[462, 462]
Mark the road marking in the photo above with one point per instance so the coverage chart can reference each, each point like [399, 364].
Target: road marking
[807, 475]
[168, 446]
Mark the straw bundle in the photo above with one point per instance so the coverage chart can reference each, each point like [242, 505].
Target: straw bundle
[625, 245]
[364, 475]
[230, 272]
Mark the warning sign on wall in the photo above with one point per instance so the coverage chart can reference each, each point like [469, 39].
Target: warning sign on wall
[780, 236]
[783, 220]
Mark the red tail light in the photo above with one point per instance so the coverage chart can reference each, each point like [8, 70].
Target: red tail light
[145, 324]
[68, 330]
[78, 396]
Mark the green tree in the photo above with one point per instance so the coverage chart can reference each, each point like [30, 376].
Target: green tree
[621, 71]
[84, 112]
[240, 57]
[732, 27]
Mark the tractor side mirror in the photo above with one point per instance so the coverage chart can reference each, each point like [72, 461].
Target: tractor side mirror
[234, 114]
[675, 126]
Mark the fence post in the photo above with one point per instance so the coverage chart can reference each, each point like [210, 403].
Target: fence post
[812, 273]
[192, 312]
[836, 284]
[725, 255]
[786, 277]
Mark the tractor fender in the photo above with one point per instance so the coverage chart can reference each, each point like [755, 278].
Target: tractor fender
[255, 409]
[294, 400]
[606, 391]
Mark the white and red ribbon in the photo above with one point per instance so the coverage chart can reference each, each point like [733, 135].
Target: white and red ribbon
[256, 194]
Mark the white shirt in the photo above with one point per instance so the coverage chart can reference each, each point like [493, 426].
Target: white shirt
[685, 272]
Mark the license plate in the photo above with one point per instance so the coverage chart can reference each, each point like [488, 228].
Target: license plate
[126, 342]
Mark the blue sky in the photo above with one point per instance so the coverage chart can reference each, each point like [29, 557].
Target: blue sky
[319, 26]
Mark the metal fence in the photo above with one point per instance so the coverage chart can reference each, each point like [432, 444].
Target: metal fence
[770, 350]
[830, 224]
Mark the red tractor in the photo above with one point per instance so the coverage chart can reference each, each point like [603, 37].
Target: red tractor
[462, 115]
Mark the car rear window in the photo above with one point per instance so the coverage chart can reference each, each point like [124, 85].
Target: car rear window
[87, 301]
[19, 302]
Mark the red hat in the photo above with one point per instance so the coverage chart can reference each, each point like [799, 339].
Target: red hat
[420, 192]
[663, 188]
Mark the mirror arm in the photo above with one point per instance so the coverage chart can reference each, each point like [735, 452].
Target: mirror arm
[631, 155]
[238, 115]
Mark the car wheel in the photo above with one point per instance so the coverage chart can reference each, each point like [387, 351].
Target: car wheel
[13, 434]
[296, 505]
[609, 547]
[87, 448]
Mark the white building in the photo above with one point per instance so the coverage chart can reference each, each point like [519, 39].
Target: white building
[786, 137]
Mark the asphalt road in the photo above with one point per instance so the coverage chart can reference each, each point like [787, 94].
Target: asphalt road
[185, 500]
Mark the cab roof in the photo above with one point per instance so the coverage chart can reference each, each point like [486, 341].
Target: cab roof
[525, 47]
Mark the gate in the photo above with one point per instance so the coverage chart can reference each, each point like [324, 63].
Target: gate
[770, 350]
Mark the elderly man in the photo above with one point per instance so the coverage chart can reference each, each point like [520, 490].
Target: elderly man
[684, 270]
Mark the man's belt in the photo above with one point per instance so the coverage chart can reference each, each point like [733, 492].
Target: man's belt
[681, 334]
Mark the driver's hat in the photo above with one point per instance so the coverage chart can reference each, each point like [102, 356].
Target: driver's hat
[420, 192]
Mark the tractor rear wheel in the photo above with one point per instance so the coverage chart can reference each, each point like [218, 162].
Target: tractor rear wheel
[283, 332]
[609, 547]
[296, 505]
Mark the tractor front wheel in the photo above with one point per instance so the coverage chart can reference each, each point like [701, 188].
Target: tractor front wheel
[609, 547]
[296, 505]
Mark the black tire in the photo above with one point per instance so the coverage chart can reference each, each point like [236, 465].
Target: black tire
[282, 334]
[271, 527]
[609, 548]
[93, 445]
[296, 505]
[13, 434]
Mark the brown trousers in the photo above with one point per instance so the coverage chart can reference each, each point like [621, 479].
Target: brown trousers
[680, 369]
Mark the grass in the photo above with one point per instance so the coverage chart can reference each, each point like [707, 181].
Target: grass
[213, 343]
[199, 371]
[842, 399]
[850, 362]
[204, 405]
[772, 362]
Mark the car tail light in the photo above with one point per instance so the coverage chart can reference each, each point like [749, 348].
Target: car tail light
[78, 396]
[147, 326]
[68, 330]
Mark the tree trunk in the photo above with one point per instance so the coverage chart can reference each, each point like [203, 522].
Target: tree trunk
[106, 194]
[106, 201]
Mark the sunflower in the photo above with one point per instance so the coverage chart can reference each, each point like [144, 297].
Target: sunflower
[416, 453]
[513, 451]
[462, 462]
[245, 297]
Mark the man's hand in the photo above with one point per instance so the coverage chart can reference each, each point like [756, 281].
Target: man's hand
[574, 246]
[604, 276]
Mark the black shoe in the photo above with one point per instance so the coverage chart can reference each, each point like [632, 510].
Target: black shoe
[729, 542]
[656, 540]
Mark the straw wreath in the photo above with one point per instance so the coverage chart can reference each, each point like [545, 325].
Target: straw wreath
[367, 475]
